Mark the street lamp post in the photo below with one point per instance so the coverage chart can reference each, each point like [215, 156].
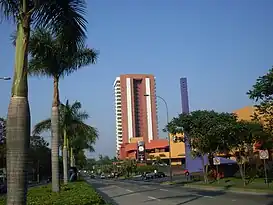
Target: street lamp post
[169, 138]
[5, 78]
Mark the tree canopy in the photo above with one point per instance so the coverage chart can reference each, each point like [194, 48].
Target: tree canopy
[262, 94]
[51, 57]
[39, 153]
[82, 135]
[211, 133]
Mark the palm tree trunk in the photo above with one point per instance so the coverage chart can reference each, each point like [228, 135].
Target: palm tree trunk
[55, 137]
[65, 158]
[68, 156]
[18, 122]
[71, 157]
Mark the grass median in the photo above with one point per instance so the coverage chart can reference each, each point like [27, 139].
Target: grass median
[76, 193]
[232, 183]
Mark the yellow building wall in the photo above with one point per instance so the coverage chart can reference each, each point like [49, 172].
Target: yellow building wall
[245, 113]
[136, 139]
[177, 148]
[162, 155]
[177, 151]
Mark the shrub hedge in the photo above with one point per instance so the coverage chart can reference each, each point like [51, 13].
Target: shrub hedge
[76, 193]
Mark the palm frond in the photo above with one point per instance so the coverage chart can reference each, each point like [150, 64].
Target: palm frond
[76, 106]
[9, 9]
[41, 42]
[37, 67]
[42, 126]
[84, 56]
[65, 18]
[44, 50]
[83, 115]
[79, 59]
[13, 36]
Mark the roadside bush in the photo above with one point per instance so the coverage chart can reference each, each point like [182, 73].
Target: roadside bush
[146, 168]
[76, 193]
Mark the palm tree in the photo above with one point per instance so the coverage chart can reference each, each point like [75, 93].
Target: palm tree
[59, 16]
[83, 139]
[73, 129]
[52, 58]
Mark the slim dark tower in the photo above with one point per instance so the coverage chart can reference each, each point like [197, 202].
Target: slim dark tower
[192, 165]
[184, 95]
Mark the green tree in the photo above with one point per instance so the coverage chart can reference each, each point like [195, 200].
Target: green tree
[73, 129]
[60, 16]
[83, 138]
[129, 166]
[39, 153]
[40, 157]
[247, 134]
[104, 160]
[209, 133]
[2, 142]
[52, 58]
[262, 94]
[80, 159]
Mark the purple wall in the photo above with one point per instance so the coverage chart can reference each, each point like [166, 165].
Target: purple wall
[192, 165]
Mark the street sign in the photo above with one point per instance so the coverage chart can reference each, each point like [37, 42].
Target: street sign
[263, 154]
[216, 161]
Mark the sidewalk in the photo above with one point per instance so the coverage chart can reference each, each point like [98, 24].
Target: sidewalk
[236, 190]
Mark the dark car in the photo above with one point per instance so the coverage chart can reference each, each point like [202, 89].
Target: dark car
[149, 175]
[160, 175]
[116, 174]
[49, 179]
[3, 188]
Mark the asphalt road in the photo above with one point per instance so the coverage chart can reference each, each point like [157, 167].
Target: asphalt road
[146, 193]
[177, 178]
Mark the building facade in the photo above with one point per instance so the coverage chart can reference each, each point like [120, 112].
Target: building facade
[135, 109]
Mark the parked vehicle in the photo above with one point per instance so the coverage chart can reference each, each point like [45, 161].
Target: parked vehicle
[3, 185]
[160, 175]
[49, 179]
[102, 176]
[149, 175]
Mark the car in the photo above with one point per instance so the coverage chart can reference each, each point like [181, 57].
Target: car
[149, 175]
[49, 179]
[3, 187]
[116, 174]
[92, 176]
[160, 175]
[102, 176]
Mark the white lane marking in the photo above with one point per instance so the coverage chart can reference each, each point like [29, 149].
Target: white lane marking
[129, 190]
[233, 200]
[153, 198]
[211, 197]
[163, 189]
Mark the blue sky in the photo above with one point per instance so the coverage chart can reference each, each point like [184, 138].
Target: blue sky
[221, 46]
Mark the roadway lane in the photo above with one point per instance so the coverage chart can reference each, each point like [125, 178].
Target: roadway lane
[124, 193]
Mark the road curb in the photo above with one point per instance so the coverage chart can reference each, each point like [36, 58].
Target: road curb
[231, 190]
